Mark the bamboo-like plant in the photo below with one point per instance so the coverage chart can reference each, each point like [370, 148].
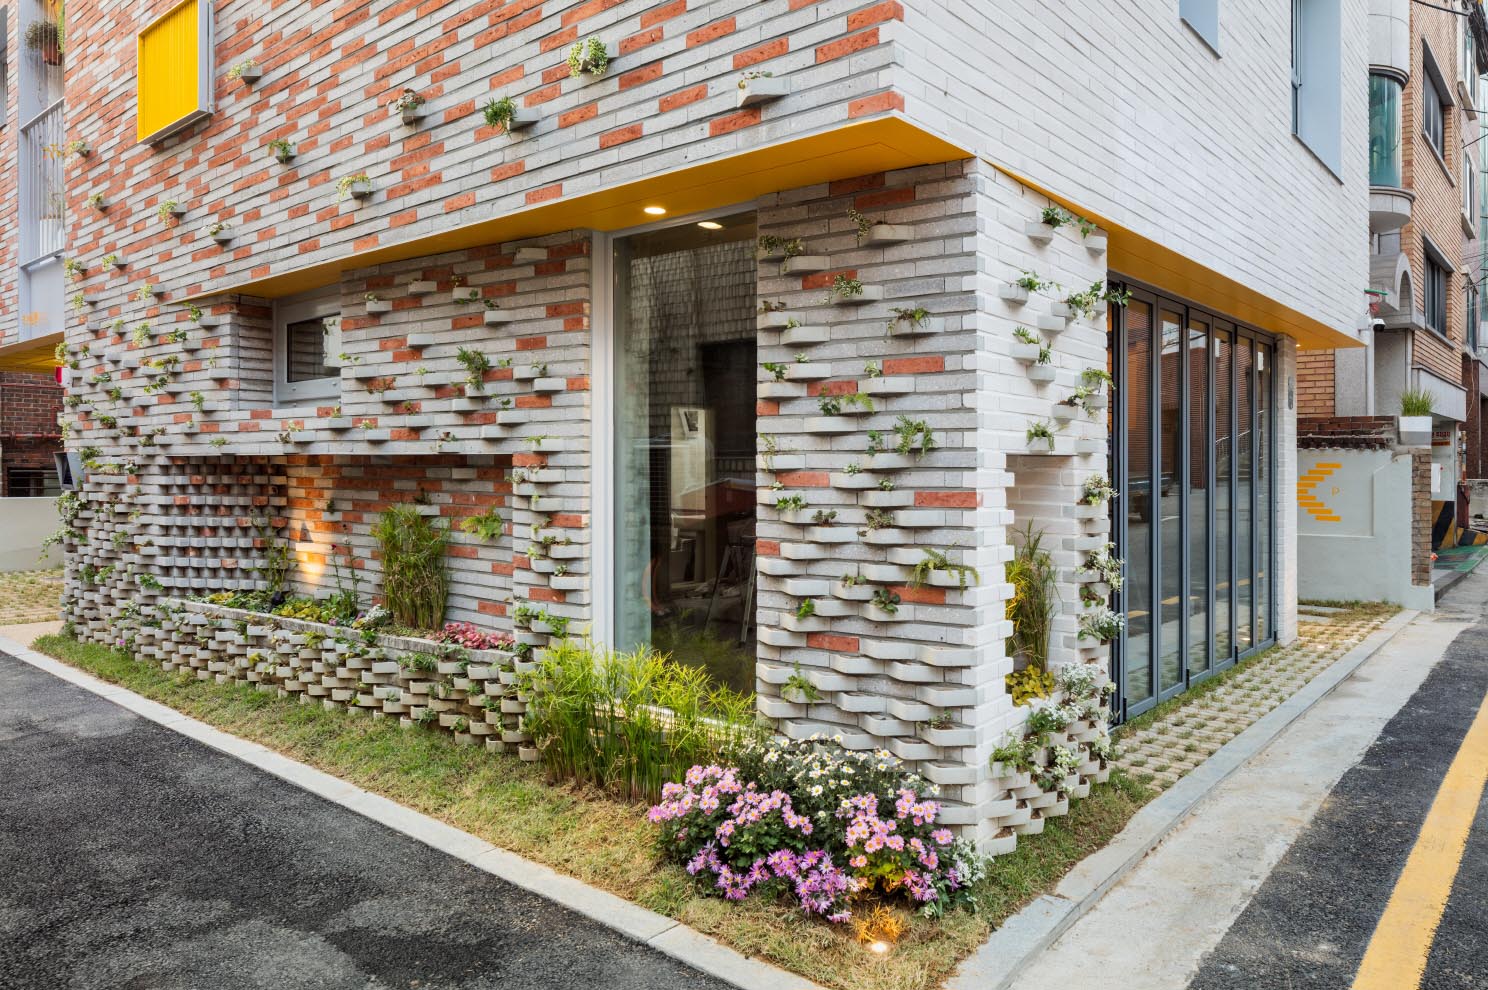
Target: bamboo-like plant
[415, 579]
[629, 722]
[1031, 572]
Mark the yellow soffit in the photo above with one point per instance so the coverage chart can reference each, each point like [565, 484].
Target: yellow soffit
[854, 149]
[1137, 257]
[36, 354]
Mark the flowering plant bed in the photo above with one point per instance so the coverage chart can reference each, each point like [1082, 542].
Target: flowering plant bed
[816, 823]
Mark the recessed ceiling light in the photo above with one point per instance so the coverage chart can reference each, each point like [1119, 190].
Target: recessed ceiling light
[710, 225]
[655, 211]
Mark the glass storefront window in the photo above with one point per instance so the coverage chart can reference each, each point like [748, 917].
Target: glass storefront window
[1139, 499]
[685, 445]
[1195, 441]
[1384, 131]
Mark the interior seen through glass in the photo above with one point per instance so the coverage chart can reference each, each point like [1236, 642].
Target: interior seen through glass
[685, 356]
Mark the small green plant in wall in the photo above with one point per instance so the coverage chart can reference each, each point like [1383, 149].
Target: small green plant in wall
[912, 318]
[588, 58]
[771, 246]
[96, 202]
[476, 364]
[168, 212]
[844, 287]
[886, 601]
[1096, 490]
[939, 560]
[914, 436]
[356, 186]
[486, 526]
[282, 150]
[1040, 434]
[776, 370]
[500, 113]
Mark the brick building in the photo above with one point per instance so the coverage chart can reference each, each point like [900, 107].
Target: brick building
[721, 323]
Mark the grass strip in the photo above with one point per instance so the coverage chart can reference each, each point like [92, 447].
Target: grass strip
[606, 842]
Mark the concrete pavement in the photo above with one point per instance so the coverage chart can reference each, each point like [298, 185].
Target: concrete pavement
[138, 858]
[1154, 929]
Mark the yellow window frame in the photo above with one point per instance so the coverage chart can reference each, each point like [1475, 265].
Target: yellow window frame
[174, 63]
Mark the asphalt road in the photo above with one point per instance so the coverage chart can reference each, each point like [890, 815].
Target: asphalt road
[1312, 920]
[132, 858]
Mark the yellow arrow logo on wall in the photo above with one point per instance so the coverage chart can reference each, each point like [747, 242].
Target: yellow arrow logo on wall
[1306, 492]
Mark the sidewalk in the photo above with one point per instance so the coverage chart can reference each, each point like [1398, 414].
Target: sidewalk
[1155, 925]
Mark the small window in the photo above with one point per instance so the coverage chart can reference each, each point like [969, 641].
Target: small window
[306, 341]
[1433, 121]
[1471, 307]
[1317, 69]
[1436, 296]
[174, 65]
[1469, 191]
[1203, 17]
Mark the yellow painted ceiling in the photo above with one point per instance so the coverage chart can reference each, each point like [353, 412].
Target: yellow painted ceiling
[36, 354]
[1145, 260]
[852, 150]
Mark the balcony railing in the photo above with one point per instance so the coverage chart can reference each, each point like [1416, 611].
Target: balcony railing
[43, 187]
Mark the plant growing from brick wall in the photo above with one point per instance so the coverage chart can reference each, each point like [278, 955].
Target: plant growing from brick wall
[939, 560]
[500, 113]
[844, 287]
[415, 577]
[282, 150]
[588, 57]
[1031, 609]
[486, 526]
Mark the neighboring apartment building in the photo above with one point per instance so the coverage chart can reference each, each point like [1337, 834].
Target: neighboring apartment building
[1425, 67]
[31, 198]
[641, 319]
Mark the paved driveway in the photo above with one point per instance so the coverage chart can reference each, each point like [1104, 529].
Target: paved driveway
[132, 858]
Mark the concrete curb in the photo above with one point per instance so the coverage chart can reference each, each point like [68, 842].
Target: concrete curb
[665, 935]
[1023, 936]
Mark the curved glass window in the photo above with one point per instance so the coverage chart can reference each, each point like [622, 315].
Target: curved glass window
[1384, 131]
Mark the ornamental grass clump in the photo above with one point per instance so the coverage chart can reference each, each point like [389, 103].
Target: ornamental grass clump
[415, 580]
[811, 822]
[629, 722]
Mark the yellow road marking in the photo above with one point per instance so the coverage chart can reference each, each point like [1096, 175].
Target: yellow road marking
[1396, 956]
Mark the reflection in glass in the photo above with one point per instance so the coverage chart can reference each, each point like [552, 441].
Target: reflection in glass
[1196, 505]
[1384, 131]
[1244, 487]
[1265, 357]
[1138, 498]
[1169, 502]
[1223, 495]
[685, 445]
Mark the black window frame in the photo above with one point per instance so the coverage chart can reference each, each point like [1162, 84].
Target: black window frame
[1436, 283]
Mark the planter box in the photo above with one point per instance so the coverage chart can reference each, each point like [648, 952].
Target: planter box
[870, 293]
[775, 321]
[762, 89]
[1050, 323]
[250, 74]
[1038, 231]
[1415, 431]
[1063, 412]
[887, 233]
[1097, 400]
[360, 192]
[905, 327]
[1095, 243]
[1025, 352]
[805, 264]
[422, 287]
[1015, 294]
[805, 335]
[379, 305]
[221, 237]
[465, 294]
[496, 317]
[1041, 373]
[412, 115]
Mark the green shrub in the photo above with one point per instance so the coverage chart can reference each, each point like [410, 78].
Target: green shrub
[1031, 572]
[415, 581]
[630, 722]
[1416, 402]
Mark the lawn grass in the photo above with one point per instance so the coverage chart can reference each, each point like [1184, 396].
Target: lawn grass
[30, 596]
[606, 842]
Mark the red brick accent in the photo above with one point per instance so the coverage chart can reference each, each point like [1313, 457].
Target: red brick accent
[545, 193]
[761, 53]
[947, 500]
[889, 10]
[578, 115]
[717, 29]
[681, 98]
[913, 366]
[734, 121]
[824, 280]
[878, 103]
[805, 479]
[619, 135]
[920, 596]
[834, 643]
[638, 41]
[846, 46]
[644, 74]
[665, 12]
